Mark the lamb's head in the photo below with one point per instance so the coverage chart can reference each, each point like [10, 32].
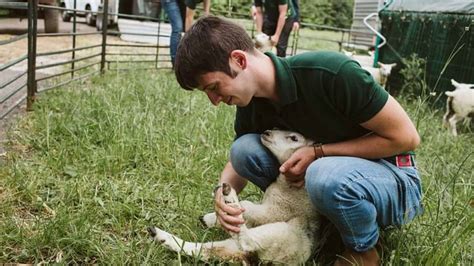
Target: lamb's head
[283, 143]
[386, 69]
[263, 42]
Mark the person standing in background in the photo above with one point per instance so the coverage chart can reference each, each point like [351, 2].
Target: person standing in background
[277, 18]
[292, 22]
[190, 7]
[173, 12]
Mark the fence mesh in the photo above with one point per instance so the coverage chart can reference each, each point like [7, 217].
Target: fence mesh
[445, 41]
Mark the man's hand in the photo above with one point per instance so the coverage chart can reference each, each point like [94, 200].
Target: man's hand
[227, 216]
[296, 26]
[295, 167]
[274, 39]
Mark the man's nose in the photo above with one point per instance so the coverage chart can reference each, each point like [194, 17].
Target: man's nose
[214, 97]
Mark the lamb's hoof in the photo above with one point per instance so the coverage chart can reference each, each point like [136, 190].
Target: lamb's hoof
[152, 231]
[226, 188]
[208, 220]
[201, 219]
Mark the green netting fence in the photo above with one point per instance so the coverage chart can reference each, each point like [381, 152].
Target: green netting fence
[444, 40]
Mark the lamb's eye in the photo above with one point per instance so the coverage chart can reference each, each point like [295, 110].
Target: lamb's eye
[294, 138]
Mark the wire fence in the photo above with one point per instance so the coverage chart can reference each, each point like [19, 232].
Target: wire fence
[80, 62]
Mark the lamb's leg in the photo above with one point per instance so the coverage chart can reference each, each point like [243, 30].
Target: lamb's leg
[255, 214]
[226, 250]
[448, 115]
[230, 197]
[452, 124]
[209, 220]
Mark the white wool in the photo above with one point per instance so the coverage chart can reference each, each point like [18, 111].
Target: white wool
[282, 229]
[382, 73]
[264, 43]
[459, 105]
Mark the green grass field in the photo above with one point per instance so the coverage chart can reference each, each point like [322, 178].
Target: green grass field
[97, 162]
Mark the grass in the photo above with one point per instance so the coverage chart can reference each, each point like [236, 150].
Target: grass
[99, 161]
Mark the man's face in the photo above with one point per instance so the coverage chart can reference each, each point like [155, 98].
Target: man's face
[221, 87]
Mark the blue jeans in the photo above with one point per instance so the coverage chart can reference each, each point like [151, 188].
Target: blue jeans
[174, 15]
[357, 195]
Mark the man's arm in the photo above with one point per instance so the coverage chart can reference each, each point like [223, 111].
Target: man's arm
[296, 7]
[207, 7]
[282, 9]
[189, 18]
[258, 18]
[228, 216]
[392, 133]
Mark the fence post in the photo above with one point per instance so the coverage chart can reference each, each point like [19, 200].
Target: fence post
[105, 22]
[74, 30]
[158, 40]
[32, 32]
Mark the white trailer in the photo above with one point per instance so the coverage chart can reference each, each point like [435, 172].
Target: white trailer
[89, 9]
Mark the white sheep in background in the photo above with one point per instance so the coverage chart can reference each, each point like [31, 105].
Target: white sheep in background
[264, 43]
[348, 54]
[459, 105]
[282, 229]
[382, 73]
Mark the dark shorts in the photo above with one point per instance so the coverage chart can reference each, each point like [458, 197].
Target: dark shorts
[192, 3]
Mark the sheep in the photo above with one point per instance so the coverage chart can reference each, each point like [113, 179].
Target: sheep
[348, 54]
[264, 43]
[282, 229]
[459, 105]
[382, 73]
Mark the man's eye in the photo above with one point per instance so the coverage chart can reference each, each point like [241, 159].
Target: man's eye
[211, 88]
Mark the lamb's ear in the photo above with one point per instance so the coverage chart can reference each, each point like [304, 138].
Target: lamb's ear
[393, 65]
[455, 84]
[379, 64]
[449, 93]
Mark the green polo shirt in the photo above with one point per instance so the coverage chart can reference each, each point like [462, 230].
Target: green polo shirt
[323, 95]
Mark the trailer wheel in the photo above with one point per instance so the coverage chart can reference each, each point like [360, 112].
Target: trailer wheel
[65, 15]
[98, 24]
[90, 18]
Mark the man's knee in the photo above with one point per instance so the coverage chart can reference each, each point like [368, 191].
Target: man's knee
[253, 161]
[243, 149]
[323, 183]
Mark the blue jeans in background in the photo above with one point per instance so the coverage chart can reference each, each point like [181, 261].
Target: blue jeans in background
[357, 195]
[174, 15]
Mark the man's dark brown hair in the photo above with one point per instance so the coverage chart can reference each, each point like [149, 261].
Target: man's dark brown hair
[206, 47]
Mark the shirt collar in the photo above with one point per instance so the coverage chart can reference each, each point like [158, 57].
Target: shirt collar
[286, 84]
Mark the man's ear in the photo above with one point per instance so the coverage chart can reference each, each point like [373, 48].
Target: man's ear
[239, 58]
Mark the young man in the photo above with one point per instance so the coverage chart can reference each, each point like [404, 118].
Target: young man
[277, 18]
[190, 7]
[326, 97]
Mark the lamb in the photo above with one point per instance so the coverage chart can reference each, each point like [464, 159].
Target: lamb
[282, 229]
[382, 73]
[459, 105]
[348, 54]
[264, 43]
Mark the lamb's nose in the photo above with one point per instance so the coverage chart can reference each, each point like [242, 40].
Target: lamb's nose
[267, 133]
